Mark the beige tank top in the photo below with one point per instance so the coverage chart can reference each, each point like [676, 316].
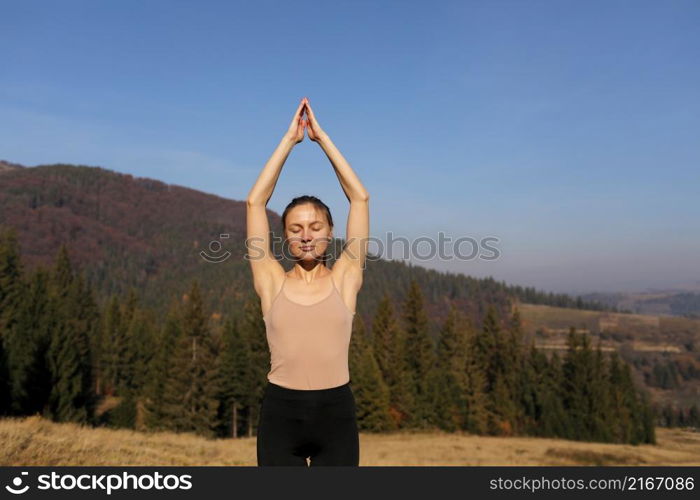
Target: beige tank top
[309, 344]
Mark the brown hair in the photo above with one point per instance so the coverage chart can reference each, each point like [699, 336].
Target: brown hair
[318, 204]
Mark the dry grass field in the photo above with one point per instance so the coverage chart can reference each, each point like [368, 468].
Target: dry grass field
[35, 441]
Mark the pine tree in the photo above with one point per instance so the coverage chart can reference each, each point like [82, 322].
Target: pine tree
[495, 348]
[369, 389]
[11, 279]
[419, 354]
[516, 379]
[578, 384]
[648, 419]
[11, 291]
[236, 380]
[621, 418]
[477, 400]
[553, 419]
[384, 335]
[254, 333]
[529, 392]
[5, 400]
[74, 321]
[28, 342]
[163, 400]
[127, 353]
[194, 380]
[388, 345]
[449, 377]
[113, 334]
[600, 401]
[142, 344]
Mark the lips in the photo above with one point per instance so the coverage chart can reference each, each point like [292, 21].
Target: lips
[307, 249]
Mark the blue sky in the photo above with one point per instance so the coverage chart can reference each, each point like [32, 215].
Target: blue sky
[567, 130]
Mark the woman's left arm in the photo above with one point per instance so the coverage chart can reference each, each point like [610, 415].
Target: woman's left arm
[353, 257]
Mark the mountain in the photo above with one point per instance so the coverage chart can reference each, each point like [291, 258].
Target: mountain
[6, 165]
[671, 302]
[125, 231]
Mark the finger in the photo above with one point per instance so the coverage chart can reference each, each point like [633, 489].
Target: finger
[297, 114]
[310, 112]
[308, 107]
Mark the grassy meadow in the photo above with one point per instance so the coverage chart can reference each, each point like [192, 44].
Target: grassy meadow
[34, 441]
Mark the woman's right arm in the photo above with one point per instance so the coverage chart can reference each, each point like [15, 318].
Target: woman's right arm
[262, 261]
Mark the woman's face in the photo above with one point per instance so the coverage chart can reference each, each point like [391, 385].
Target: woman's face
[307, 232]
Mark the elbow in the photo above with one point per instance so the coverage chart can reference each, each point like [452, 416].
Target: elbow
[363, 197]
[253, 202]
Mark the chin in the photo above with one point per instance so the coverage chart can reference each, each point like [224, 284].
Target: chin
[307, 257]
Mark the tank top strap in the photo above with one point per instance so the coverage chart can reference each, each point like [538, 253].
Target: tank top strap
[281, 292]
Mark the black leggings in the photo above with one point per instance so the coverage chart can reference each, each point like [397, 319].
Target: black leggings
[296, 424]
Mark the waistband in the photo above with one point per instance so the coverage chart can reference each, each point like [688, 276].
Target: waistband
[305, 394]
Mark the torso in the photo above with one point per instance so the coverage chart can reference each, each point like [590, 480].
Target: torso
[309, 340]
[300, 292]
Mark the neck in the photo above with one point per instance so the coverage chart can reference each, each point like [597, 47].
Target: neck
[309, 275]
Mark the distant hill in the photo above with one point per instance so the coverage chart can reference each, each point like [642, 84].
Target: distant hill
[673, 302]
[6, 165]
[664, 350]
[126, 231]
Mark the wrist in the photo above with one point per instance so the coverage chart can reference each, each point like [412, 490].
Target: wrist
[323, 138]
[289, 141]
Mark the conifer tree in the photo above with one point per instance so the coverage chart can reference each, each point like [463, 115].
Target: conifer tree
[388, 341]
[127, 352]
[634, 425]
[253, 332]
[529, 393]
[554, 417]
[419, 353]
[477, 399]
[515, 365]
[194, 381]
[577, 382]
[600, 403]
[112, 348]
[647, 419]
[237, 384]
[11, 291]
[11, 279]
[449, 383]
[142, 344]
[370, 391]
[493, 350]
[74, 320]
[163, 397]
[28, 342]
[5, 400]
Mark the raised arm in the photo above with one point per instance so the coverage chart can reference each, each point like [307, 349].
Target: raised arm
[263, 263]
[352, 259]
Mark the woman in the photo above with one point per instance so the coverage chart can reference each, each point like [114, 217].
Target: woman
[308, 408]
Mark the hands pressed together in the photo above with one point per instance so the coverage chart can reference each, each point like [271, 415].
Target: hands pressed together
[304, 119]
